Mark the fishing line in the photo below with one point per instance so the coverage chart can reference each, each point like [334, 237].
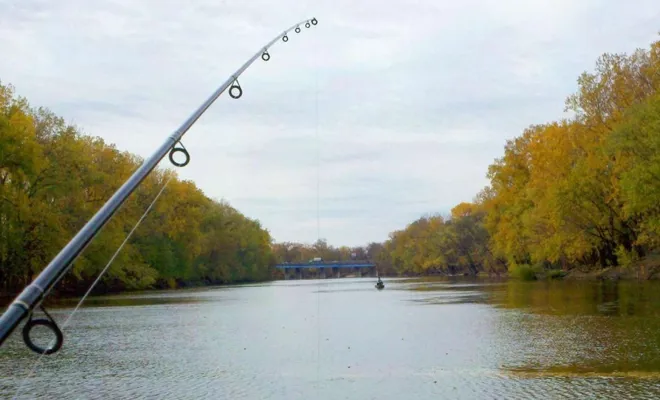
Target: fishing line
[318, 215]
[96, 281]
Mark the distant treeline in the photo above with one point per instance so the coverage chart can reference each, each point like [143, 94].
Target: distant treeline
[53, 179]
[429, 245]
[583, 191]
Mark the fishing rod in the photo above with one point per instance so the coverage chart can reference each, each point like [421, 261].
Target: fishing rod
[33, 294]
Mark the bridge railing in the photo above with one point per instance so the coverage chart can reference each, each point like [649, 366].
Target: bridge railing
[327, 264]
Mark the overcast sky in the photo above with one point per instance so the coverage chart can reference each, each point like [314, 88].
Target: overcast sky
[407, 102]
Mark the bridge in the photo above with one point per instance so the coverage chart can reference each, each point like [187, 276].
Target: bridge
[320, 269]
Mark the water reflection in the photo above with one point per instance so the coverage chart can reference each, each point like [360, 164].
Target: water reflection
[196, 295]
[563, 328]
[582, 328]
[613, 298]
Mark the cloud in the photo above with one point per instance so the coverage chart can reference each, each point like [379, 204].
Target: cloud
[401, 105]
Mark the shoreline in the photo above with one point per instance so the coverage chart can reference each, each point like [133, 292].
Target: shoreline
[62, 296]
[637, 273]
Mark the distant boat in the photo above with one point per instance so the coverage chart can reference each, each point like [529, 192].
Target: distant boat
[380, 285]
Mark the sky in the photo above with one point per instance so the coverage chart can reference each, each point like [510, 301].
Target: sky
[383, 112]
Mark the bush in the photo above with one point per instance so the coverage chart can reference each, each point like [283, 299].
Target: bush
[525, 272]
[626, 259]
[554, 274]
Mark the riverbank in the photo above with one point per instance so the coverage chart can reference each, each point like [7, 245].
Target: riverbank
[58, 296]
[641, 273]
[648, 268]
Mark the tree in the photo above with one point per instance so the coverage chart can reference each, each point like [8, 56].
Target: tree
[53, 179]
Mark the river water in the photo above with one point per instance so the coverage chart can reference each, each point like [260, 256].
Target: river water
[343, 339]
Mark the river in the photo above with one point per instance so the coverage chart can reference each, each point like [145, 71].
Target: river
[343, 339]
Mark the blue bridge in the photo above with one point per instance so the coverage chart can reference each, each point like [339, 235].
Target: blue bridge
[325, 269]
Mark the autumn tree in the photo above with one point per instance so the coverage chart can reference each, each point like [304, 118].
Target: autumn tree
[53, 179]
